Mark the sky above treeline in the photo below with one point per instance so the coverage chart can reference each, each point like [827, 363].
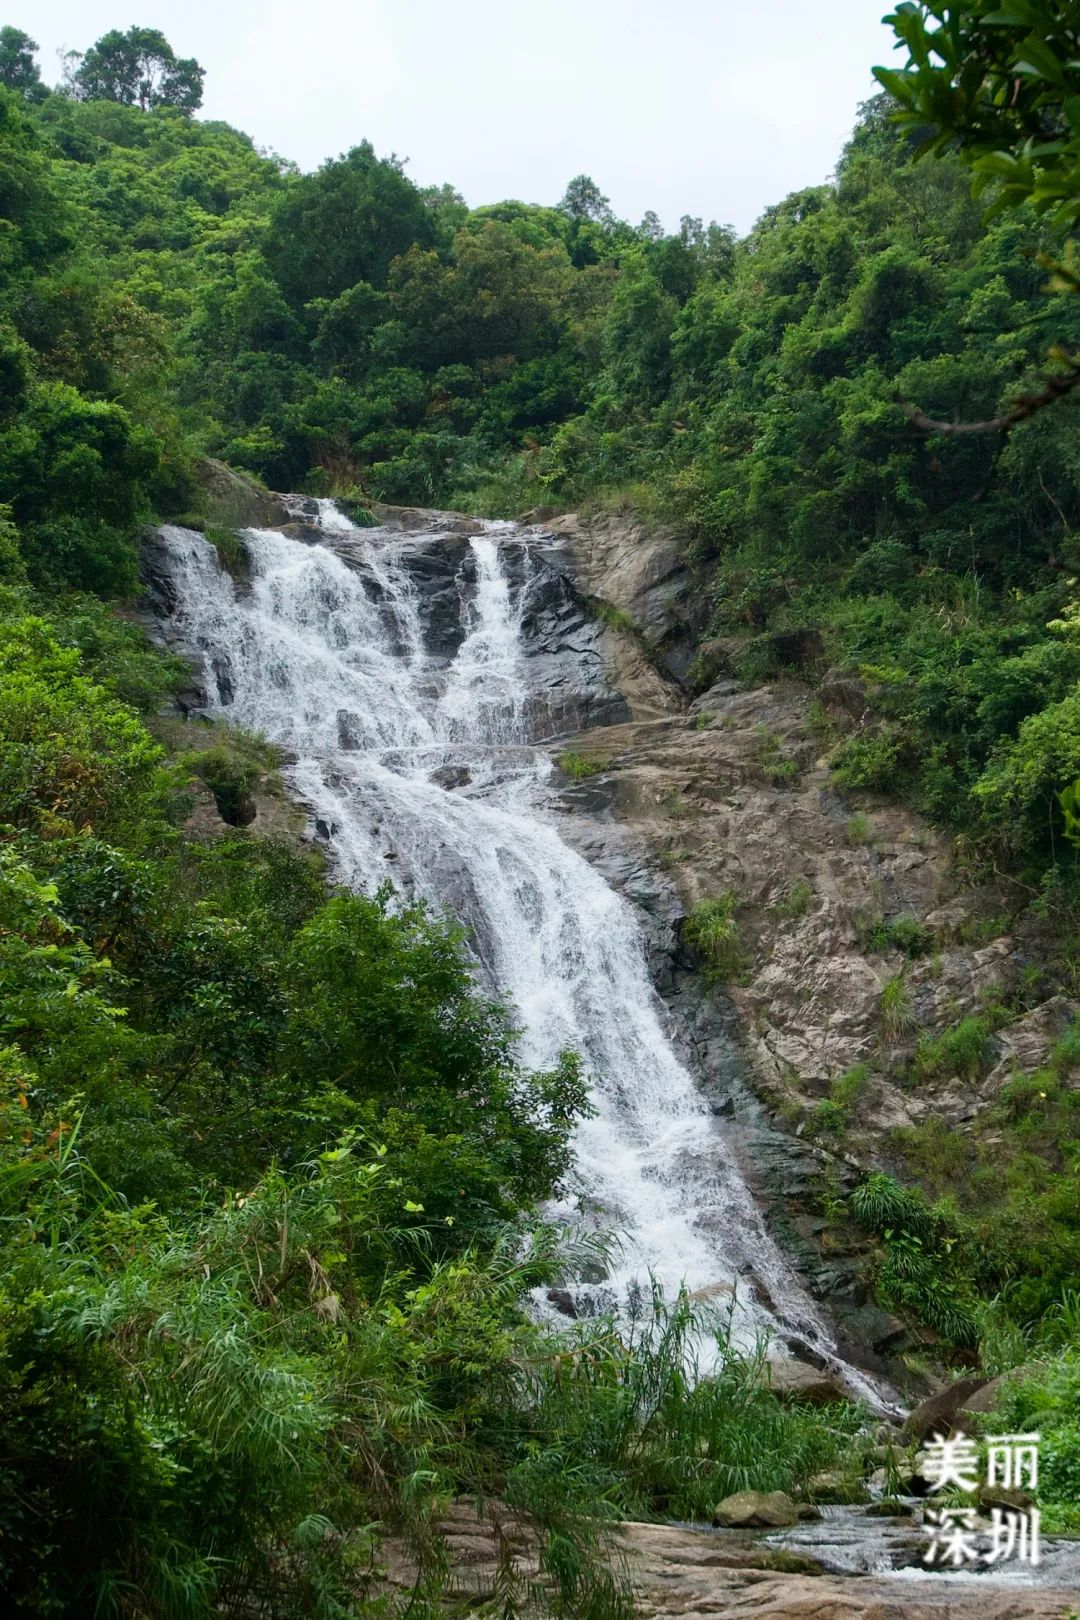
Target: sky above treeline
[680, 106]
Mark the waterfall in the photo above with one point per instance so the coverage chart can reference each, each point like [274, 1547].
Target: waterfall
[423, 772]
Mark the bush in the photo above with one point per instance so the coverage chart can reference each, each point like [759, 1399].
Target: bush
[966, 1051]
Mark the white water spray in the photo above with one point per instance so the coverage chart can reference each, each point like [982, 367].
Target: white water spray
[425, 775]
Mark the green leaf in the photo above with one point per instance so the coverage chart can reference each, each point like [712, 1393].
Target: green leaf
[1037, 61]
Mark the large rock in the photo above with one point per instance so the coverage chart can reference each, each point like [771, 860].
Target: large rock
[798, 1381]
[640, 570]
[1025, 1045]
[756, 1509]
[234, 500]
[941, 1413]
[678, 1573]
[990, 1395]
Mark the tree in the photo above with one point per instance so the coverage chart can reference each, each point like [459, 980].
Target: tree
[1002, 86]
[18, 69]
[344, 225]
[138, 69]
[583, 199]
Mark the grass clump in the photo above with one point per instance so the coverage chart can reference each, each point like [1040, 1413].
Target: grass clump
[796, 903]
[577, 767]
[907, 935]
[635, 1412]
[229, 547]
[778, 768]
[616, 618]
[713, 932]
[832, 1114]
[858, 830]
[896, 1010]
[965, 1051]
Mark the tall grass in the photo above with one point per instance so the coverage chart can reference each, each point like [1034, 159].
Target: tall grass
[713, 932]
[666, 1415]
[210, 1418]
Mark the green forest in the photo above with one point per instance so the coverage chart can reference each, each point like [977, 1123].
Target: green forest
[270, 1167]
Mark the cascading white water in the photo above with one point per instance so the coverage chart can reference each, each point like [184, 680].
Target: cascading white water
[426, 776]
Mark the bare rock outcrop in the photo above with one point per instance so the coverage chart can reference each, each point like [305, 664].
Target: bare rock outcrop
[677, 1573]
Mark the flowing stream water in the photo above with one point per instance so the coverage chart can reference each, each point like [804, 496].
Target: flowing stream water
[427, 773]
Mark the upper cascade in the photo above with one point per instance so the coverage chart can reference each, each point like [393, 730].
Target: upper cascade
[430, 770]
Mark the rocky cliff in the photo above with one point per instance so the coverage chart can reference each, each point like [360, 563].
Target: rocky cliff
[860, 939]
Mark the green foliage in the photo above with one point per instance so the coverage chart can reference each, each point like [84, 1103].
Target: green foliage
[577, 767]
[18, 69]
[905, 934]
[777, 767]
[1002, 85]
[71, 755]
[1047, 1402]
[858, 829]
[138, 69]
[712, 931]
[896, 1009]
[653, 1437]
[919, 1269]
[964, 1052]
[832, 1114]
[796, 903]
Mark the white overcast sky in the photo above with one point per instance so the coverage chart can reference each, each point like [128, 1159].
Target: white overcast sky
[683, 106]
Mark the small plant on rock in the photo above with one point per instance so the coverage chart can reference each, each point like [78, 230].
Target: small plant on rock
[796, 903]
[577, 767]
[896, 1008]
[711, 929]
[858, 830]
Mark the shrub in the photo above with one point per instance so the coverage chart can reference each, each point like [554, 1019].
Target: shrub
[876, 759]
[858, 829]
[796, 903]
[231, 779]
[907, 935]
[965, 1051]
[72, 756]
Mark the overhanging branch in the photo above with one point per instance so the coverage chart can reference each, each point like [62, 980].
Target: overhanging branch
[1025, 405]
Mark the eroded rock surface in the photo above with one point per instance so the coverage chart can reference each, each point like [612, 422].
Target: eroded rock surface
[728, 1575]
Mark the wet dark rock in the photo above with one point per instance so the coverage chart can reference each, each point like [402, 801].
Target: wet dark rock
[1006, 1498]
[349, 730]
[563, 1302]
[451, 776]
[890, 1507]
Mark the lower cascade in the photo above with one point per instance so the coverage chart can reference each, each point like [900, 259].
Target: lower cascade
[430, 770]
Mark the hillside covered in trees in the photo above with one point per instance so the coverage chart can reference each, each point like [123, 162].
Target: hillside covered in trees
[269, 1210]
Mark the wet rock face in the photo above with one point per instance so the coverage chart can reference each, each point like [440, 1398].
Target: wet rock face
[568, 662]
[642, 571]
[567, 672]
